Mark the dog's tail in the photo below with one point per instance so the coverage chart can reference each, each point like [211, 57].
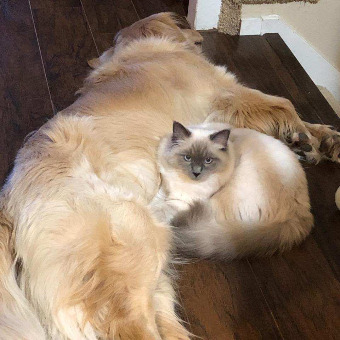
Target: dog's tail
[17, 320]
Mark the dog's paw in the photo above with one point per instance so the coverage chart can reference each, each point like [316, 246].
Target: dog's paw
[328, 138]
[330, 144]
[305, 146]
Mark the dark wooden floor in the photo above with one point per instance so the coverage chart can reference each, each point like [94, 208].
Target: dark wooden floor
[45, 45]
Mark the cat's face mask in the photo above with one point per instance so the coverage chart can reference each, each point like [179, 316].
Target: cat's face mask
[198, 156]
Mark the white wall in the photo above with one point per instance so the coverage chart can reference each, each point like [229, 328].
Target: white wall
[203, 14]
[318, 24]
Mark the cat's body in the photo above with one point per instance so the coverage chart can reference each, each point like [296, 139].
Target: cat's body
[257, 202]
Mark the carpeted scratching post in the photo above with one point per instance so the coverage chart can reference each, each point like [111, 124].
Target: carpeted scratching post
[258, 2]
[230, 17]
[230, 14]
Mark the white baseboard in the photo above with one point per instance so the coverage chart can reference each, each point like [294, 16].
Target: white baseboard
[317, 67]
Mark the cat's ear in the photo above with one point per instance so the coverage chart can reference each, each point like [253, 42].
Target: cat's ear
[179, 132]
[221, 137]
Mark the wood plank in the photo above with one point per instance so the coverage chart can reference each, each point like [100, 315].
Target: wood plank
[25, 102]
[241, 57]
[54, 3]
[302, 80]
[302, 292]
[106, 18]
[324, 179]
[299, 98]
[148, 7]
[263, 71]
[126, 12]
[240, 54]
[221, 301]
[66, 45]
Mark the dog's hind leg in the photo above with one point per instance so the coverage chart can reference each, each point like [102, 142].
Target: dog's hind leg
[94, 269]
[17, 318]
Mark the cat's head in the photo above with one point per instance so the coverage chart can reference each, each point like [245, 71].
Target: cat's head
[198, 153]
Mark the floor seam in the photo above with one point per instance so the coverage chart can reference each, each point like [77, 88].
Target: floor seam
[266, 302]
[134, 7]
[267, 45]
[41, 57]
[89, 26]
[289, 72]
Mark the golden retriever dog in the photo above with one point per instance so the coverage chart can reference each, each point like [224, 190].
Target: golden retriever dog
[81, 256]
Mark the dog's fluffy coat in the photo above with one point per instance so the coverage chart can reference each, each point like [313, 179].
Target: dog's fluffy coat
[76, 234]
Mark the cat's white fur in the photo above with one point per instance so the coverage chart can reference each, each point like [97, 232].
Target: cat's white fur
[259, 204]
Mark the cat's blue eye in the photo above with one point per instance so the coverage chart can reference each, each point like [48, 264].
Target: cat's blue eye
[187, 158]
[208, 160]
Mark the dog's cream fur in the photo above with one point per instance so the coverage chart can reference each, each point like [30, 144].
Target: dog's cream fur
[76, 234]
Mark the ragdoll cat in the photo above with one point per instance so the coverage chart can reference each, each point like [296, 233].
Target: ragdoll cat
[231, 192]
